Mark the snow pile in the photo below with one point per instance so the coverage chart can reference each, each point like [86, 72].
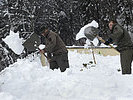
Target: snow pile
[14, 42]
[6, 96]
[28, 80]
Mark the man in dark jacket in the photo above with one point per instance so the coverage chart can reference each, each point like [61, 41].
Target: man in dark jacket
[122, 39]
[57, 48]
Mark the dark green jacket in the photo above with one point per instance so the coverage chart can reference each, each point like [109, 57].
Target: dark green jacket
[121, 37]
[54, 44]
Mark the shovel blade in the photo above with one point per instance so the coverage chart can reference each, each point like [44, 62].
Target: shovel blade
[91, 32]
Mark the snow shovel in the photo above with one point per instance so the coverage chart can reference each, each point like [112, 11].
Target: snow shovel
[92, 32]
[103, 41]
[93, 53]
[43, 56]
[43, 60]
[89, 33]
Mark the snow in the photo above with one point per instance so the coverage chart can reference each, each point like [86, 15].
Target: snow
[41, 46]
[95, 42]
[14, 42]
[28, 80]
[80, 34]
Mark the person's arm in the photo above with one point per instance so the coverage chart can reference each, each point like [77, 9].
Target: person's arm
[117, 33]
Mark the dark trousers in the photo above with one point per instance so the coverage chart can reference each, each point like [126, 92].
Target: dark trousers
[59, 61]
[126, 58]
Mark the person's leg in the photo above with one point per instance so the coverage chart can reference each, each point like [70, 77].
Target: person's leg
[126, 60]
[53, 64]
[62, 62]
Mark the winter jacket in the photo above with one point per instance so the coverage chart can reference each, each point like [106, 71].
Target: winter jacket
[121, 38]
[54, 44]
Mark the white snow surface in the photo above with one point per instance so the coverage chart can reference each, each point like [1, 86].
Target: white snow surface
[28, 80]
[14, 42]
[81, 34]
[41, 46]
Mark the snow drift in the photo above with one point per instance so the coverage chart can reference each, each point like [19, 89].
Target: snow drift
[28, 80]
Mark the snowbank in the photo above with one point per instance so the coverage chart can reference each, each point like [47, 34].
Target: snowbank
[28, 80]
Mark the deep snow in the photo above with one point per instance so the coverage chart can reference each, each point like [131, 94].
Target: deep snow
[28, 80]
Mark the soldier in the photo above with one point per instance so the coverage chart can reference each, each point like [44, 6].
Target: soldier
[57, 48]
[122, 39]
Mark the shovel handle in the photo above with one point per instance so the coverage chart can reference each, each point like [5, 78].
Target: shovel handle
[45, 56]
[103, 41]
[93, 53]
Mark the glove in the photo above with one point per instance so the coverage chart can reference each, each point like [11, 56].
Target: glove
[108, 41]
